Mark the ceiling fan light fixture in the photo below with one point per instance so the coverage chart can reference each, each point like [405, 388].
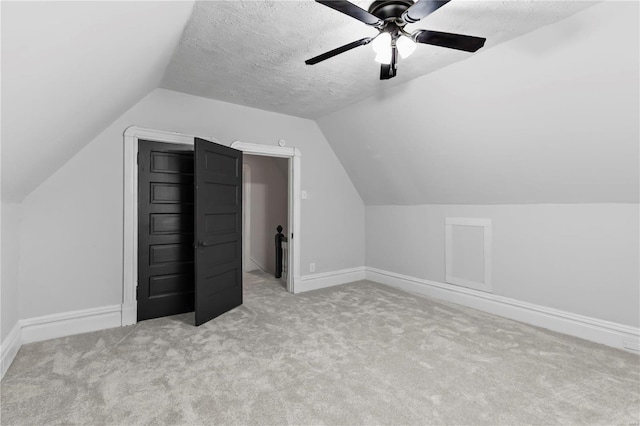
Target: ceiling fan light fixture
[406, 46]
[384, 57]
[382, 43]
[382, 46]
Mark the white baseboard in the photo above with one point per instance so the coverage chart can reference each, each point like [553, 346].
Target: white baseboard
[61, 325]
[9, 348]
[593, 329]
[605, 332]
[329, 279]
[129, 313]
[69, 323]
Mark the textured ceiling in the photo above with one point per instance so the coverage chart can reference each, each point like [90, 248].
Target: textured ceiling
[252, 52]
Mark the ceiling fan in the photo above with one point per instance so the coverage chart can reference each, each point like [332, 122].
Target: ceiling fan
[389, 17]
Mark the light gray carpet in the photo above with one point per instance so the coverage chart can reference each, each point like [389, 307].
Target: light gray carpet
[361, 353]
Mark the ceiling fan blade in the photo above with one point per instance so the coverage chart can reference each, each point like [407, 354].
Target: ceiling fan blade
[452, 41]
[352, 10]
[422, 8]
[388, 71]
[339, 50]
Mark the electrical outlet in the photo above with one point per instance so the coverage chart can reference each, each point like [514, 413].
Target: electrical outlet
[312, 267]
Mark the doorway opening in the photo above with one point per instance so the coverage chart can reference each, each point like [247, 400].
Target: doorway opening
[130, 227]
[265, 214]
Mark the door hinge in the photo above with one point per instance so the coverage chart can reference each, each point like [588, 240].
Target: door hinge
[292, 235]
[138, 157]
[136, 292]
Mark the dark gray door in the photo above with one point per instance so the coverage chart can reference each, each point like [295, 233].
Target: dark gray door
[165, 229]
[218, 229]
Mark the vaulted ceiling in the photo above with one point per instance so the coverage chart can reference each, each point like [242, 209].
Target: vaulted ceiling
[70, 68]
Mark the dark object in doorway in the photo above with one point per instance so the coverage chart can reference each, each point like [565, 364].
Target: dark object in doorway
[280, 238]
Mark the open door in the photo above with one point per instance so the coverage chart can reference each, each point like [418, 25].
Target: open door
[218, 229]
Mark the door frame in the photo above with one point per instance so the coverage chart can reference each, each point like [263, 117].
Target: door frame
[246, 217]
[294, 201]
[130, 218]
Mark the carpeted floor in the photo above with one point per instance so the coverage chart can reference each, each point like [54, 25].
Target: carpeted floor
[360, 353]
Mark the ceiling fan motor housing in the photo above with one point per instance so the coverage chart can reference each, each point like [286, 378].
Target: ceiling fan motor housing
[389, 9]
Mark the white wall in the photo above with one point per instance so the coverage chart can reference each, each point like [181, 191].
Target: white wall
[71, 251]
[10, 291]
[580, 258]
[269, 203]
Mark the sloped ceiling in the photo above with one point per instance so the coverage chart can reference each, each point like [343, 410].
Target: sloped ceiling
[68, 70]
[551, 117]
[252, 52]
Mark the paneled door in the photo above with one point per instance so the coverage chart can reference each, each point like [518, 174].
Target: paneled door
[218, 229]
[189, 229]
[165, 229]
